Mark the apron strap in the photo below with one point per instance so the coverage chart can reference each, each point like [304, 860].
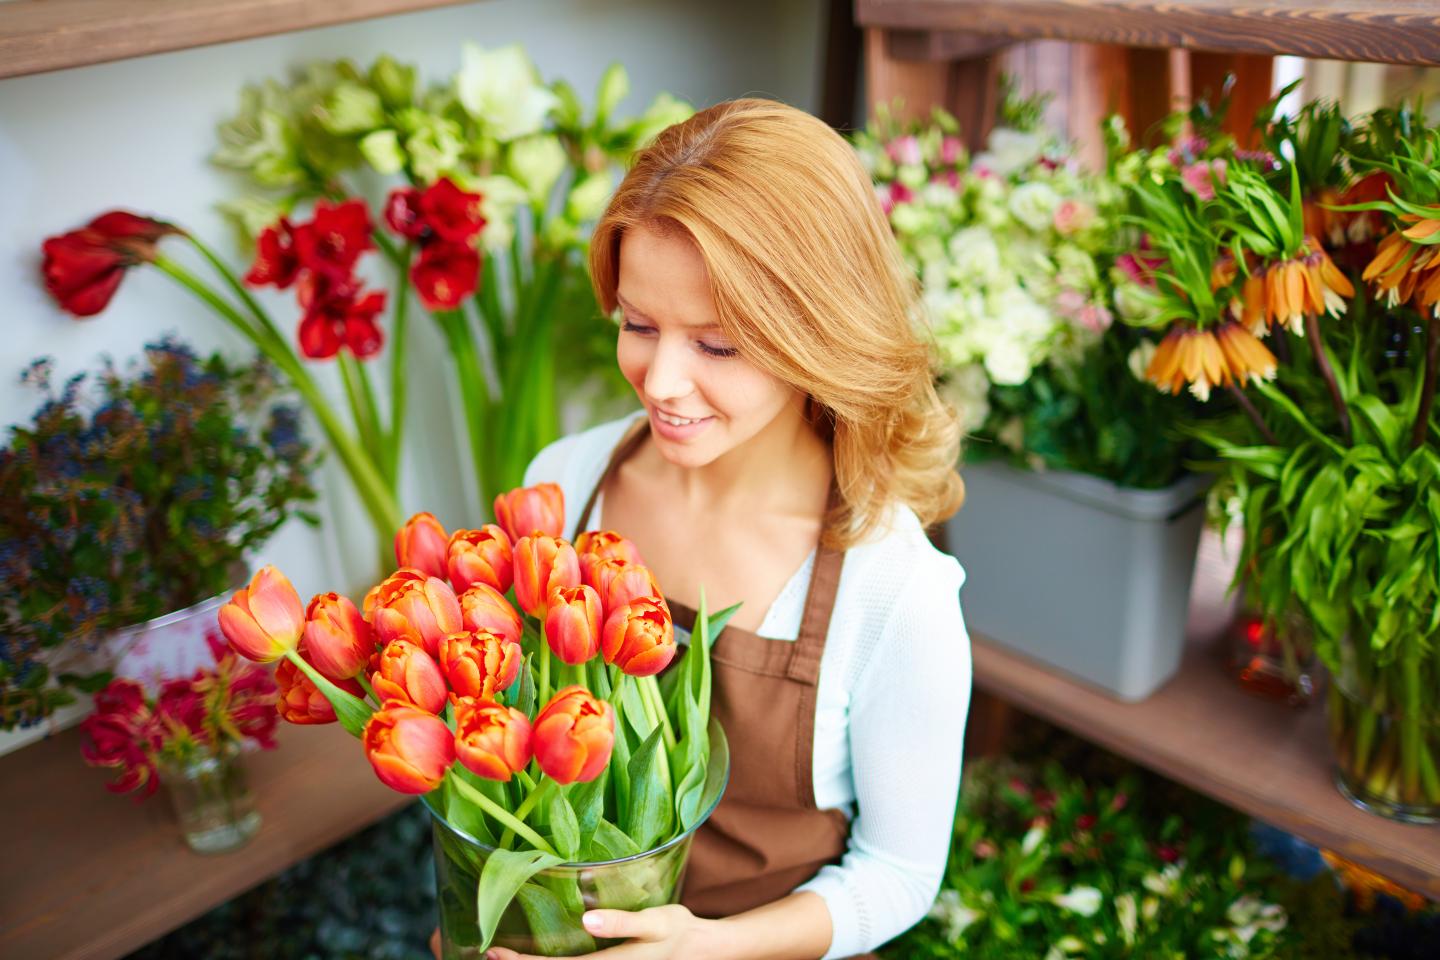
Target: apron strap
[815, 623]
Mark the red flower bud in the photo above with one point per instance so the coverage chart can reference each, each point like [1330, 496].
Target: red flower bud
[543, 565]
[620, 581]
[337, 639]
[479, 664]
[574, 735]
[639, 637]
[410, 749]
[300, 701]
[264, 619]
[490, 740]
[531, 511]
[572, 623]
[480, 556]
[408, 674]
[485, 609]
[422, 544]
[83, 268]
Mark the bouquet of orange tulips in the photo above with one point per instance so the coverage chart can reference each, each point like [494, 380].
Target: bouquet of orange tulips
[510, 677]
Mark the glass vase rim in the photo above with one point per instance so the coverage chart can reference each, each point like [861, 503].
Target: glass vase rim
[716, 730]
[182, 613]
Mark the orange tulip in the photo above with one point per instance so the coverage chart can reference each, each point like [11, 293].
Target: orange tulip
[300, 702]
[572, 624]
[483, 608]
[542, 565]
[409, 748]
[421, 545]
[405, 672]
[532, 511]
[265, 619]
[411, 605]
[592, 546]
[479, 664]
[574, 735]
[490, 740]
[480, 556]
[337, 639]
[639, 637]
[620, 581]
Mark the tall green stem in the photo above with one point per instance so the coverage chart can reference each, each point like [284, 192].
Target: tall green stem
[397, 367]
[471, 377]
[1421, 430]
[1327, 373]
[503, 816]
[378, 499]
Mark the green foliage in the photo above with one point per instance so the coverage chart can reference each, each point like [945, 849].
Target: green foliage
[1045, 863]
[138, 496]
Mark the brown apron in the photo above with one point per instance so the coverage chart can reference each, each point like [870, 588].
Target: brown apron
[767, 836]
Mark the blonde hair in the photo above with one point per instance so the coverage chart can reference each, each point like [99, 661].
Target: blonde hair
[810, 285]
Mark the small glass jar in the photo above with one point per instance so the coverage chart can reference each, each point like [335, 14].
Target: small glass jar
[1273, 660]
[212, 800]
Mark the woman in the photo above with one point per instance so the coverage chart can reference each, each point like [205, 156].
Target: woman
[789, 455]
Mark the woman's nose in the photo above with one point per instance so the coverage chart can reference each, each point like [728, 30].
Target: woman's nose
[669, 376]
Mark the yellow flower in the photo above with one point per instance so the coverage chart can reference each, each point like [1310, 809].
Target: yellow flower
[1204, 359]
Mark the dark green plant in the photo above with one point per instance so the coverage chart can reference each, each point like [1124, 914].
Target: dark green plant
[130, 495]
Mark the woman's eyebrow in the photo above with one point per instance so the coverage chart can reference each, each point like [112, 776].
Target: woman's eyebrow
[630, 308]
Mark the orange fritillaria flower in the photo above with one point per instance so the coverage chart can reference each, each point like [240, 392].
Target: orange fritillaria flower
[1307, 285]
[1205, 359]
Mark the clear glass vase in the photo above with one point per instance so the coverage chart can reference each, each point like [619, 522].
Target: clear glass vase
[1387, 757]
[212, 800]
[1273, 660]
[543, 919]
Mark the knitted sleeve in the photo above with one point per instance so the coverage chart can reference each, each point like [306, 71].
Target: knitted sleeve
[910, 698]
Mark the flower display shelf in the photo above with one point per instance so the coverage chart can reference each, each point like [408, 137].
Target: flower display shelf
[41, 35]
[1386, 31]
[1265, 759]
[96, 876]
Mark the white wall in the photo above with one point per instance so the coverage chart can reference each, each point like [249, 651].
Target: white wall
[136, 134]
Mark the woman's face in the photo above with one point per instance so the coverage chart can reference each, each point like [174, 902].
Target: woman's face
[703, 398]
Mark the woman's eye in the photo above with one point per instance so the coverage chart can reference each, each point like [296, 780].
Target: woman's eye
[721, 352]
[631, 327]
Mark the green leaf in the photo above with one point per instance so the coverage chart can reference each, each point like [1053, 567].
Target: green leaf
[588, 802]
[92, 683]
[506, 871]
[564, 827]
[557, 931]
[651, 814]
[611, 843]
[525, 694]
[464, 815]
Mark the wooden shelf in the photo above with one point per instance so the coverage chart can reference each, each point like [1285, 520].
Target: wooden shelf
[95, 876]
[1201, 729]
[1386, 31]
[41, 35]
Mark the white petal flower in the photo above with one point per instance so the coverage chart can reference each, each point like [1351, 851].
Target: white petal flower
[1139, 359]
[500, 89]
[1033, 204]
[1008, 150]
[1081, 900]
[1033, 838]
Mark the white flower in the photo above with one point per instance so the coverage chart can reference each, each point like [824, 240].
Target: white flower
[1081, 900]
[500, 89]
[382, 149]
[974, 253]
[536, 163]
[952, 912]
[1033, 838]
[1129, 918]
[1165, 883]
[1008, 364]
[1008, 150]
[1033, 204]
[589, 198]
[1140, 357]
[967, 389]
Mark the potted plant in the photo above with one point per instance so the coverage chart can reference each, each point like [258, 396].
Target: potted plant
[128, 507]
[1331, 441]
[1075, 486]
[188, 733]
[510, 679]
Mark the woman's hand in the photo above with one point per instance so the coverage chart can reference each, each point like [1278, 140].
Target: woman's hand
[659, 933]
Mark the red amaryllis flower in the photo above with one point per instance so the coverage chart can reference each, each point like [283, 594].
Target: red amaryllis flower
[83, 268]
[451, 214]
[337, 315]
[445, 273]
[402, 213]
[334, 238]
[277, 261]
[181, 704]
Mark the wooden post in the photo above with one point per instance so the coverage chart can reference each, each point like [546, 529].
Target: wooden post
[957, 71]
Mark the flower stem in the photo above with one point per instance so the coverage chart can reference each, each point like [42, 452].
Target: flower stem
[379, 500]
[655, 707]
[397, 367]
[1421, 429]
[1327, 373]
[1249, 408]
[505, 817]
[365, 685]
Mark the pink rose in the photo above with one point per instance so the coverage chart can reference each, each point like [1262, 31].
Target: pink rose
[905, 151]
[1072, 216]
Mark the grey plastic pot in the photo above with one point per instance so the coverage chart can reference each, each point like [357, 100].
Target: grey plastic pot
[1078, 573]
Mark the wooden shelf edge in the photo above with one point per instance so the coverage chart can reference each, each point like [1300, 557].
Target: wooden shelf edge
[1382, 31]
[37, 36]
[1266, 760]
